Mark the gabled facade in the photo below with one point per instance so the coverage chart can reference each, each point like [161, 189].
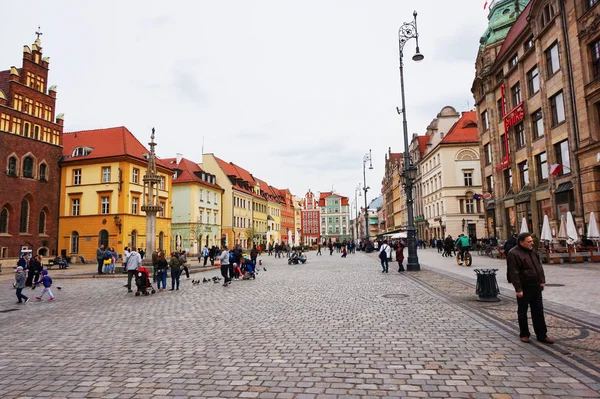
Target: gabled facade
[288, 228]
[30, 150]
[311, 219]
[335, 217]
[102, 193]
[197, 200]
[390, 212]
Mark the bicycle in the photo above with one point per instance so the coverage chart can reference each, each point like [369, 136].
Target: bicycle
[468, 259]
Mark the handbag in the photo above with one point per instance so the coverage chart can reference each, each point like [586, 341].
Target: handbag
[107, 261]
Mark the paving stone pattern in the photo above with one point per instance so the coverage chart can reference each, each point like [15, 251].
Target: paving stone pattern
[333, 328]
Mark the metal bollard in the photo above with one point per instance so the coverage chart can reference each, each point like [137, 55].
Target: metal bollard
[487, 289]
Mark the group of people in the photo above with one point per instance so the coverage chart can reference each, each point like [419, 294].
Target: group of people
[343, 247]
[385, 254]
[30, 272]
[234, 265]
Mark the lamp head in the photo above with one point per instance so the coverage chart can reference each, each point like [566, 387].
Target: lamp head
[371, 167]
[418, 57]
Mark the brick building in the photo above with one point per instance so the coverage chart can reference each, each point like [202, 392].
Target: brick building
[537, 97]
[311, 217]
[30, 152]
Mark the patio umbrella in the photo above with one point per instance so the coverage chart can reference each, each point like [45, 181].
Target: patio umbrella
[572, 236]
[593, 232]
[562, 231]
[546, 233]
[524, 228]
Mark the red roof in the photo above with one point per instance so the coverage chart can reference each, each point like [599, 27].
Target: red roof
[105, 143]
[515, 31]
[423, 140]
[5, 81]
[464, 130]
[188, 172]
[238, 172]
[326, 194]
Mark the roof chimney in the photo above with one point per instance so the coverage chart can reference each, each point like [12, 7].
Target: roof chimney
[179, 157]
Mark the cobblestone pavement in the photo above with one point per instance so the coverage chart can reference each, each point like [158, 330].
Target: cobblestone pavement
[333, 328]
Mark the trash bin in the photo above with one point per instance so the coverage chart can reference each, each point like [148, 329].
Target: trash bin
[487, 287]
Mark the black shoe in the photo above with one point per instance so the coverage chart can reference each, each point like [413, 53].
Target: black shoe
[171, 289]
[129, 290]
[125, 286]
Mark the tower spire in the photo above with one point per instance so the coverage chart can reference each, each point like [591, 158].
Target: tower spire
[39, 32]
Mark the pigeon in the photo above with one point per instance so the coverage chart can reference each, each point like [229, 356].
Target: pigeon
[204, 280]
[59, 287]
[264, 269]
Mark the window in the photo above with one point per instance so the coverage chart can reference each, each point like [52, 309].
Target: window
[28, 106]
[42, 174]
[557, 106]
[524, 173]
[469, 206]
[552, 65]
[513, 61]
[500, 76]
[215, 198]
[4, 221]
[18, 102]
[75, 202]
[595, 50]
[489, 183]
[42, 223]
[484, 120]
[24, 219]
[162, 183]
[76, 177]
[74, 242]
[106, 174]
[36, 132]
[533, 81]
[561, 150]
[500, 108]
[16, 125]
[136, 176]
[26, 127]
[134, 239]
[201, 195]
[134, 205]
[515, 92]
[591, 3]
[537, 124]
[542, 167]
[547, 15]
[503, 145]
[12, 166]
[508, 179]
[528, 43]
[468, 177]
[520, 135]
[38, 110]
[28, 167]
[105, 205]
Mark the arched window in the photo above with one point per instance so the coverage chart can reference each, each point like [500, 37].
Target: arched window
[161, 241]
[74, 242]
[43, 172]
[24, 220]
[28, 166]
[36, 132]
[4, 221]
[103, 238]
[133, 240]
[42, 225]
[12, 166]
[26, 129]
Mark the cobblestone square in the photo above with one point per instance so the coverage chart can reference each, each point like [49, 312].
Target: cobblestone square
[333, 328]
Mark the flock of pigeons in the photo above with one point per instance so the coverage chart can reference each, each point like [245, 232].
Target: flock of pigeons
[216, 279]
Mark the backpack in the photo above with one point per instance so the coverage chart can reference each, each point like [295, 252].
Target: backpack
[383, 253]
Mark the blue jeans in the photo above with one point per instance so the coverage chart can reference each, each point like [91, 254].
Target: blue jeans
[162, 278]
[175, 274]
[20, 296]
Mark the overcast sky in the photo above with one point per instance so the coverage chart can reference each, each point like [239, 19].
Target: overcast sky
[294, 91]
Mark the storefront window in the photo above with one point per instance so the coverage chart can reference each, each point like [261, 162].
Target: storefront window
[524, 211]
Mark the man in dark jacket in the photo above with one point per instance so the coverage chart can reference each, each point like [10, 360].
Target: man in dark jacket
[527, 276]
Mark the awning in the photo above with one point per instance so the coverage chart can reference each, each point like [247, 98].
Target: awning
[523, 198]
[562, 187]
[402, 234]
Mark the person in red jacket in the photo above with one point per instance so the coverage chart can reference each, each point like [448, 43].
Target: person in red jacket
[400, 256]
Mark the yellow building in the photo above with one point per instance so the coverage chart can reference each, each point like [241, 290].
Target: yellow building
[102, 193]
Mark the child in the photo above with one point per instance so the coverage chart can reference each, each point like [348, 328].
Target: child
[47, 283]
[344, 253]
[20, 284]
[237, 271]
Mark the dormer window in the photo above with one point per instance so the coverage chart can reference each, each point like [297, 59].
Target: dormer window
[81, 151]
[547, 15]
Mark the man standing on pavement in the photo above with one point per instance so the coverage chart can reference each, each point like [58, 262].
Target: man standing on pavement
[205, 255]
[526, 274]
[225, 272]
[100, 258]
[134, 260]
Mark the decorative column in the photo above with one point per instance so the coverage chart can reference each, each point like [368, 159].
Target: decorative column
[151, 203]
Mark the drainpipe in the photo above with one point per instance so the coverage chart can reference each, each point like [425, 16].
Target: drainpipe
[573, 102]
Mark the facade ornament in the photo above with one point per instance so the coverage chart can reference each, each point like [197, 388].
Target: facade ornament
[591, 26]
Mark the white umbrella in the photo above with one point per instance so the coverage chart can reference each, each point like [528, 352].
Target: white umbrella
[546, 233]
[593, 232]
[572, 236]
[524, 228]
[562, 231]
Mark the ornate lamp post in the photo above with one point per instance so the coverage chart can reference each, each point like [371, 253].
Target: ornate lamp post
[366, 158]
[357, 194]
[408, 31]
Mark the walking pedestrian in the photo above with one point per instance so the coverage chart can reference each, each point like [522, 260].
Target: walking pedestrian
[385, 253]
[205, 255]
[20, 284]
[183, 262]
[175, 264]
[133, 261]
[46, 281]
[319, 250]
[161, 271]
[100, 258]
[224, 258]
[526, 274]
[400, 256]
[35, 268]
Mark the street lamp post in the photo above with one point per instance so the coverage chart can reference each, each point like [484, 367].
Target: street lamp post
[366, 158]
[356, 191]
[408, 31]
